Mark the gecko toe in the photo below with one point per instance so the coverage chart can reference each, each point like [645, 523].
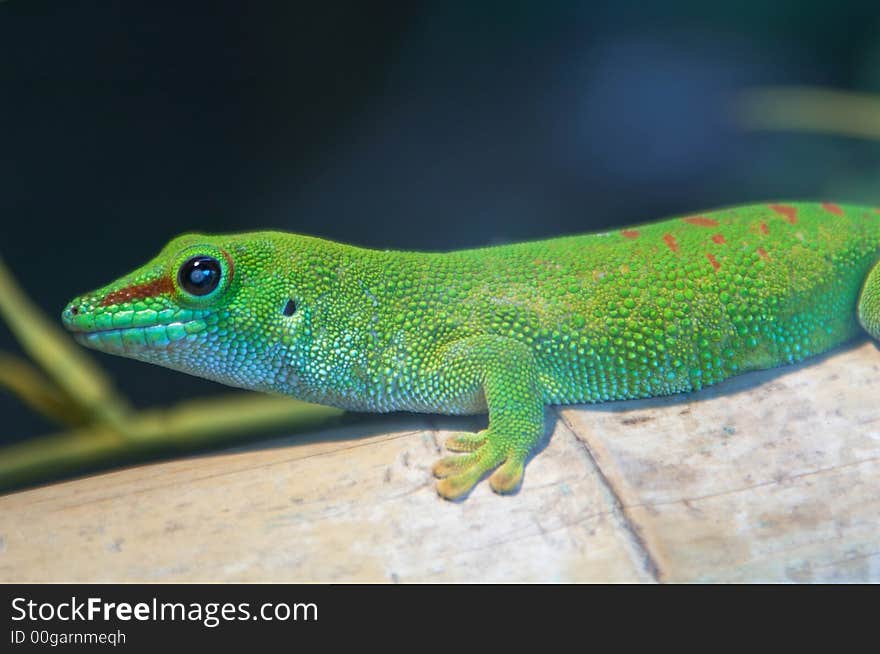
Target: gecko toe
[460, 473]
[465, 441]
[456, 486]
[451, 465]
[508, 477]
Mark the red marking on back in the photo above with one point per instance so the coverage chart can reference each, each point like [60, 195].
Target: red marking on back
[630, 233]
[701, 221]
[713, 261]
[763, 254]
[139, 291]
[764, 229]
[669, 239]
[719, 239]
[832, 208]
[789, 213]
[876, 210]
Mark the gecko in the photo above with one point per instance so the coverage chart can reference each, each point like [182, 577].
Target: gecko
[644, 311]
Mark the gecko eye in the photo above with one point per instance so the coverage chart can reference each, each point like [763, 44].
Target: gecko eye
[199, 275]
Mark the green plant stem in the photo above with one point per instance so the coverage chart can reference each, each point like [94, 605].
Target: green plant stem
[798, 108]
[186, 427]
[75, 373]
[34, 389]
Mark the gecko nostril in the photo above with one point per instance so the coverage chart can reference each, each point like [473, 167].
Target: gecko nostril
[71, 311]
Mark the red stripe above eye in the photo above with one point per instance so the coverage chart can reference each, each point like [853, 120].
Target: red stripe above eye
[152, 288]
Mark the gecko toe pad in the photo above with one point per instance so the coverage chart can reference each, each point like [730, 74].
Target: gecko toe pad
[508, 477]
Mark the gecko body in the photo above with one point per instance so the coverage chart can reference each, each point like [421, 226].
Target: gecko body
[650, 310]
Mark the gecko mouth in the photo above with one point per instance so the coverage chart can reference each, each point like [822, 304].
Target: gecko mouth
[127, 338]
[126, 330]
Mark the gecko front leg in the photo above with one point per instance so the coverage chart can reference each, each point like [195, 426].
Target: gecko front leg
[503, 372]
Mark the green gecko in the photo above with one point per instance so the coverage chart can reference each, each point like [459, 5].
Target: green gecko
[660, 308]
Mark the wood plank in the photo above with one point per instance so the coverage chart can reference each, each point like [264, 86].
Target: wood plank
[772, 476]
[336, 506]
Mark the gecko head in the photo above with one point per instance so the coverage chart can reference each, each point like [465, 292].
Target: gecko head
[206, 305]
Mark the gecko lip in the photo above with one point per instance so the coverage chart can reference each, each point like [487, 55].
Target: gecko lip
[146, 336]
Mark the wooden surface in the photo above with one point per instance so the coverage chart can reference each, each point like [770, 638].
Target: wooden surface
[772, 476]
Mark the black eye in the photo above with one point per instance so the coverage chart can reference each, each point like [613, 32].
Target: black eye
[289, 308]
[199, 275]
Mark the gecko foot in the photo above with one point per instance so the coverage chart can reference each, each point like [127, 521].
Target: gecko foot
[459, 474]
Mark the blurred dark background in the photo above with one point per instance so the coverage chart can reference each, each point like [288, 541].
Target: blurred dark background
[428, 125]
